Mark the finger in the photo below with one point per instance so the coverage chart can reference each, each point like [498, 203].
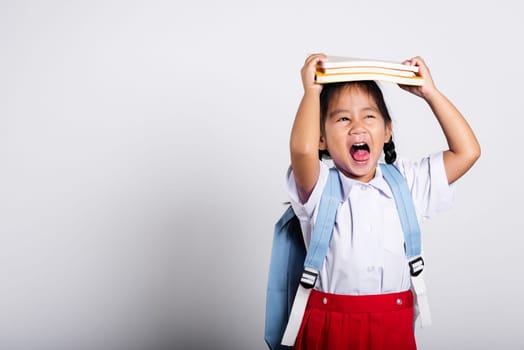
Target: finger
[404, 87]
[418, 61]
[315, 58]
[312, 57]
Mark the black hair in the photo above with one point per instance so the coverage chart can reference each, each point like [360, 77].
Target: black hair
[330, 91]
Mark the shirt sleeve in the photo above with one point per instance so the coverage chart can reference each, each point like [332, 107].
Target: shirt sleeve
[428, 183]
[306, 212]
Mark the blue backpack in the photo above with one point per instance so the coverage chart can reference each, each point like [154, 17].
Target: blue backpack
[293, 271]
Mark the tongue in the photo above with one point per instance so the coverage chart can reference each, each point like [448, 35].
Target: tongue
[360, 155]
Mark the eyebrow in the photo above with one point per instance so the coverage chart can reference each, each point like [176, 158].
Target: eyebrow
[337, 111]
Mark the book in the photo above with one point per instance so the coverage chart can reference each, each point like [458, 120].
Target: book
[342, 62]
[322, 78]
[339, 69]
[345, 70]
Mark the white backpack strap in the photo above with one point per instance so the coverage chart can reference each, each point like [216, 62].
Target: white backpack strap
[422, 311]
[316, 254]
[412, 237]
[296, 316]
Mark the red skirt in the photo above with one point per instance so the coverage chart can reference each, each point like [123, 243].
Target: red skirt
[368, 322]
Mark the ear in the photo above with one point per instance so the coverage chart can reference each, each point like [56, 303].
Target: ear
[389, 130]
[322, 145]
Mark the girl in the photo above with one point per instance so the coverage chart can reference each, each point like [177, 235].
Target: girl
[366, 269]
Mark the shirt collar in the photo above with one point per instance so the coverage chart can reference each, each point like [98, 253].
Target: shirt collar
[376, 182]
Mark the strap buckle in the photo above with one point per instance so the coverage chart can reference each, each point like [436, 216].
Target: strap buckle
[416, 266]
[309, 278]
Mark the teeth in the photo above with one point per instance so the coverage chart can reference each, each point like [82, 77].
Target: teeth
[360, 145]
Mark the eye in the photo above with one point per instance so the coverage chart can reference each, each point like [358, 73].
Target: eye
[343, 119]
[370, 116]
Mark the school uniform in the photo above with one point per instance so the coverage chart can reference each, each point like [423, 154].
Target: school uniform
[362, 298]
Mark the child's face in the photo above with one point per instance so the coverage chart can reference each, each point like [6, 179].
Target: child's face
[355, 133]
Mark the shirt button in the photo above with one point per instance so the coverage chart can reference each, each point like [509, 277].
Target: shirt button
[324, 301]
[399, 301]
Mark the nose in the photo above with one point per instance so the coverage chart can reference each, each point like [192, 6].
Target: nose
[357, 128]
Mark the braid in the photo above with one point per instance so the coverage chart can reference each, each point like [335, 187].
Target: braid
[323, 154]
[389, 152]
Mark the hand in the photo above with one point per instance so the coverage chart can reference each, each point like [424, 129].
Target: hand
[309, 70]
[428, 88]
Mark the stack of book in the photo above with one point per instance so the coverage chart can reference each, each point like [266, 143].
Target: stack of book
[338, 69]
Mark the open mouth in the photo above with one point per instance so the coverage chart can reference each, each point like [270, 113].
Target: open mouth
[360, 152]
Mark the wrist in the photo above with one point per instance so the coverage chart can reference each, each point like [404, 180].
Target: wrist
[313, 91]
[432, 95]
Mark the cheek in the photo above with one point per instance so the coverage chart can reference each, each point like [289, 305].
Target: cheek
[383, 132]
[381, 137]
[334, 131]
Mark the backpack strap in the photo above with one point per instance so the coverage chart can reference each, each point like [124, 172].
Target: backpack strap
[412, 237]
[316, 253]
[405, 208]
[327, 211]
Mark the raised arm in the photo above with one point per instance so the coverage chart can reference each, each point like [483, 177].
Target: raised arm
[305, 134]
[464, 149]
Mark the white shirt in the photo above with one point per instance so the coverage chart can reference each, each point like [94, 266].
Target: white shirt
[366, 253]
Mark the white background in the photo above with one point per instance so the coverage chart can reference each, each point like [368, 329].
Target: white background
[143, 151]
